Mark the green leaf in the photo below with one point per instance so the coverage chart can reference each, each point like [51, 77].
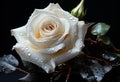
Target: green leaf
[104, 39]
[100, 29]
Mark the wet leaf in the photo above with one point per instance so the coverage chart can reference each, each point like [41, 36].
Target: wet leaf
[117, 60]
[58, 76]
[8, 63]
[109, 56]
[99, 70]
[100, 29]
[95, 71]
[113, 57]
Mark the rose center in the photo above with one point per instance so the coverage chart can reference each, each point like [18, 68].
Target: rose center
[48, 28]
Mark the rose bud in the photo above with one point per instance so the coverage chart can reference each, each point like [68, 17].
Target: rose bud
[78, 11]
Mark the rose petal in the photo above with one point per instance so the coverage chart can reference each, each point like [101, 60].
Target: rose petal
[76, 50]
[29, 54]
[82, 29]
[52, 6]
[53, 49]
[47, 40]
[20, 34]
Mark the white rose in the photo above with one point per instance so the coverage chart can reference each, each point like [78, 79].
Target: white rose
[51, 37]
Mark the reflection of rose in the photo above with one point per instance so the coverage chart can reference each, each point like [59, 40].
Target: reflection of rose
[51, 36]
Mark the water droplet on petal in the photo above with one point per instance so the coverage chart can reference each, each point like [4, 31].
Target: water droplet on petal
[71, 18]
[53, 48]
[74, 20]
[21, 34]
[26, 48]
[29, 54]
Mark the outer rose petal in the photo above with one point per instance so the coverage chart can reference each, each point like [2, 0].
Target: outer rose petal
[20, 34]
[56, 10]
[29, 54]
[78, 45]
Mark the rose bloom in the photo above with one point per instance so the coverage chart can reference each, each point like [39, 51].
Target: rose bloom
[50, 37]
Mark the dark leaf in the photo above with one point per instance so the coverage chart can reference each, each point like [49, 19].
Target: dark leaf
[104, 39]
[100, 29]
[58, 76]
[8, 63]
[109, 56]
[113, 57]
[117, 60]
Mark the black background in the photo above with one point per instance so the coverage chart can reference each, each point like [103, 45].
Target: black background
[15, 13]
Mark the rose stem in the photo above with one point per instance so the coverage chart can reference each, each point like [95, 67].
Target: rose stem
[21, 70]
[91, 57]
[103, 46]
[68, 75]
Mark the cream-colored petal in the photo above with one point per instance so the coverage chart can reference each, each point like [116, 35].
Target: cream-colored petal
[66, 26]
[52, 6]
[47, 10]
[74, 33]
[78, 45]
[52, 50]
[39, 12]
[37, 23]
[64, 14]
[28, 54]
[19, 34]
[75, 51]
[82, 29]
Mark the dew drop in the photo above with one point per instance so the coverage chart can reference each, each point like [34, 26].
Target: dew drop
[45, 67]
[71, 18]
[53, 49]
[29, 54]
[74, 20]
[21, 34]
[26, 48]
